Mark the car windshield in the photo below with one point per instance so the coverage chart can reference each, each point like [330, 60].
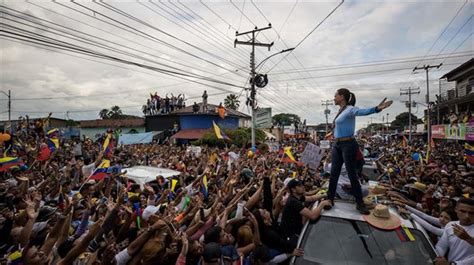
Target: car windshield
[341, 241]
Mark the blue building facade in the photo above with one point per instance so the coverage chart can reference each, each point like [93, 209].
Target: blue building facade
[204, 121]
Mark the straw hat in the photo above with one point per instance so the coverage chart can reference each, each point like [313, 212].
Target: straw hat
[378, 190]
[381, 218]
[418, 186]
[369, 202]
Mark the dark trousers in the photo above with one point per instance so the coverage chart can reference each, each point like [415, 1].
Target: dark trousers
[344, 153]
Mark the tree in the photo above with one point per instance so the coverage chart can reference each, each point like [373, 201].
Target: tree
[401, 120]
[104, 114]
[232, 102]
[285, 119]
[114, 113]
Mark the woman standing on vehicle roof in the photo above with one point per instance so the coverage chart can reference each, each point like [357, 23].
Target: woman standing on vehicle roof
[345, 146]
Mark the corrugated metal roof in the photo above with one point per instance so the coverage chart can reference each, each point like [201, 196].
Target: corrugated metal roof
[190, 134]
[112, 123]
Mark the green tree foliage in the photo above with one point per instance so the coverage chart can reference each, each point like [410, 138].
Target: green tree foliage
[401, 120]
[114, 113]
[232, 102]
[285, 119]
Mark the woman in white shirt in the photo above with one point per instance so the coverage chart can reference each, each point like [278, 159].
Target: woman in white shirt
[430, 223]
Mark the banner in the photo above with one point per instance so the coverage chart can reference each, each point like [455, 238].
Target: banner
[456, 131]
[312, 156]
[136, 138]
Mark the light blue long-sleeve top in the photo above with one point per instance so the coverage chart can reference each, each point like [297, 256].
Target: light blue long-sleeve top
[345, 122]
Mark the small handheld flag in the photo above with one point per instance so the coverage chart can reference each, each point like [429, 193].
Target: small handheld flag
[219, 133]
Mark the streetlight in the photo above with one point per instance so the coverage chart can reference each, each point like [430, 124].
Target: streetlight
[253, 92]
[280, 52]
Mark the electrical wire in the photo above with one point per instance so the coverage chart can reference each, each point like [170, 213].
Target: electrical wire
[307, 35]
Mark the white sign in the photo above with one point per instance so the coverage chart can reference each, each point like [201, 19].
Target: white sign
[312, 156]
[325, 144]
[263, 118]
[195, 150]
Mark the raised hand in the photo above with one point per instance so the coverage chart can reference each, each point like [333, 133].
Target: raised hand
[30, 208]
[384, 104]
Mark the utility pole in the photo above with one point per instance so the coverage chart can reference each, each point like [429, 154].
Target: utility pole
[427, 69]
[388, 124]
[253, 93]
[409, 103]
[9, 106]
[9, 95]
[327, 111]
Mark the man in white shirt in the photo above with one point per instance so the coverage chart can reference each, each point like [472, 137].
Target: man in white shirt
[458, 237]
[87, 168]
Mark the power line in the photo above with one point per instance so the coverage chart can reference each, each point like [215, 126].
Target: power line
[207, 36]
[375, 63]
[307, 35]
[157, 39]
[444, 30]
[125, 14]
[113, 34]
[75, 48]
[102, 95]
[457, 32]
[142, 58]
[360, 73]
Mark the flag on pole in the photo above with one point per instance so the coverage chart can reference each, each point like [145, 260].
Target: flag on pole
[173, 184]
[8, 162]
[219, 133]
[205, 190]
[101, 171]
[289, 154]
[108, 146]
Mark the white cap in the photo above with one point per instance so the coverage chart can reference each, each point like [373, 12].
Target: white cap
[149, 211]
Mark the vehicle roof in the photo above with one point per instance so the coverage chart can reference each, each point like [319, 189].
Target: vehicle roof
[347, 210]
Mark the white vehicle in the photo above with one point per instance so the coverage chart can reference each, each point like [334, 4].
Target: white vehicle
[144, 174]
[342, 236]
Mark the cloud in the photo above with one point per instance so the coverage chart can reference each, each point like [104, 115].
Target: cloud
[359, 31]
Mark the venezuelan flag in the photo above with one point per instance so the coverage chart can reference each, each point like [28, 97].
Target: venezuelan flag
[52, 132]
[289, 154]
[8, 162]
[469, 153]
[205, 190]
[53, 144]
[219, 133]
[108, 145]
[101, 171]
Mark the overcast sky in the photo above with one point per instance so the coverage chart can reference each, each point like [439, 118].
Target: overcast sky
[197, 38]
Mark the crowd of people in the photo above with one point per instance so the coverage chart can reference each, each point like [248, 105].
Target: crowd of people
[225, 207]
[157, 105]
